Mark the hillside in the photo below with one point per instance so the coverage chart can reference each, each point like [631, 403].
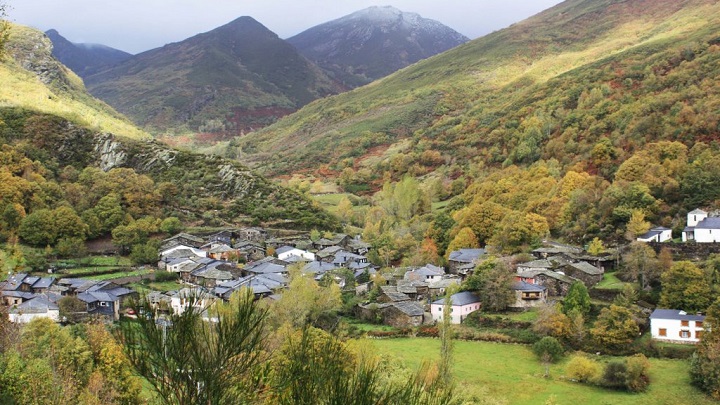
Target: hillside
[470, 102]
[372, 43]
[567, 124]
[227, 81]
[58, 140]
[84, 59]
[32, 79]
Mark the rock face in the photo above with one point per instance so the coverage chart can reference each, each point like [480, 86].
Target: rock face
[84, 59]
[372, 43]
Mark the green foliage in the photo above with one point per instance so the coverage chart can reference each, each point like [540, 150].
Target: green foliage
[685, 287]
[583, 369]
[615, 328]
[145, 253]
[548, 349]
[190, 361]
[705, 362]
[491, 281]
[577, 299]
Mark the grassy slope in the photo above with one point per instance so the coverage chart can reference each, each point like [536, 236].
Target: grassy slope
[512, 373]
[65, 96]
[489, 77]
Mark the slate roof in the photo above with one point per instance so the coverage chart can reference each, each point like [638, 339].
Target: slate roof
[410, 308]
[37, 305]
[318, 267]
[538, 264]
[466, 255]
[460, 299]
[397, 296]
[675, 314]
[266, 267]
[587, 268]
[13, 282]
[44, 282]
[284, 249]
[527, 287]
[709, 223]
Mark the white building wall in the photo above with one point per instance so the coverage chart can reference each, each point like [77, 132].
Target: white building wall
[673, 329]
[457, 314]
[298, 253]
[53, 315]
[693, 219]
[707, 235]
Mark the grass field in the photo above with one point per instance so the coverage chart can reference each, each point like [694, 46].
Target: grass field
[611, 282]
[513, 375]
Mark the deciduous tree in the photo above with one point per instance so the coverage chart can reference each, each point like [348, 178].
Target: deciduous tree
[685, 287]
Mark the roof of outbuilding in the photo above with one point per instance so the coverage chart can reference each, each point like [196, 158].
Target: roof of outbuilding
[466, 255]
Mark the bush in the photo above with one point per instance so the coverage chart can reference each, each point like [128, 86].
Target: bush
[615, 375]
[584, 370]
[637, 373]
[162, 276]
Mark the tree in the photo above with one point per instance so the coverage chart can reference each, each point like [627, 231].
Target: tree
[577, 299]
[615, 328]
[465, 238]
[637, 225]
[145, 253]
[583, 369]
[72, 309]
[685, 287]
[188, 361]
[491, 281]
[705, 362]
[596, 247]
[641, 264]
[171, 225]
[548, 350]
[305, 301]
[37, 228]
[553, 322]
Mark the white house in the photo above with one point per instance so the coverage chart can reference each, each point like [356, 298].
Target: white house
[198, 298]
[463, 304]
[38, 307]
[656, 234]
[673, 325]
[286, 252]
[701, 228]
[428, 274]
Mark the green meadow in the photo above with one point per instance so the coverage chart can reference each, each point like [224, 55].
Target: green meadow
[511, 374]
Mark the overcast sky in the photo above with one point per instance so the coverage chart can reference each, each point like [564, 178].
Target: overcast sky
[139, 25]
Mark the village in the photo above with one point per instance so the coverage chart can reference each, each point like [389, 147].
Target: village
[213, 267]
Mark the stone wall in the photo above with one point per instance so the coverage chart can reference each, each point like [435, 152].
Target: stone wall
[688, 251]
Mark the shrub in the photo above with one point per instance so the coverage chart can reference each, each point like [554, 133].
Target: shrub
[584, 370]
[162, 276]
[637, 373]
[615, 375]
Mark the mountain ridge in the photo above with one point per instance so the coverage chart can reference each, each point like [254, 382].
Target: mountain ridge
[374, 42]
[202, 80]
[84, 59]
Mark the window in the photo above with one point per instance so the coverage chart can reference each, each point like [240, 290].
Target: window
[685, 334]
[698, 324]
[684, 323]
[698, 334]
[662, 332]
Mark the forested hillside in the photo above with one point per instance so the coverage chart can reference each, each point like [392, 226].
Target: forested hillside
[65, 180]
[564, 123]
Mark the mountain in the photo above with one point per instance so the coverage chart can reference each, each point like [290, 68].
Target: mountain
[34, 80]
[235, 78]
[372, 43]
[550, 87]
[84, 59]
[47, 116]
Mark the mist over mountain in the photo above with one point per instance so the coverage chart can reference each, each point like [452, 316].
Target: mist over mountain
[84, 59]
[374, 42]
